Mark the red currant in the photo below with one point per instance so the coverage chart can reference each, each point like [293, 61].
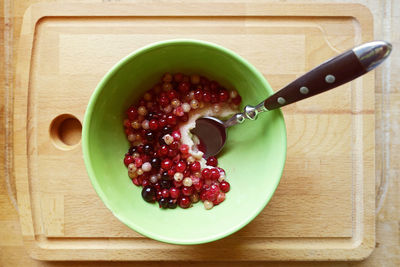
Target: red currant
[165, 192]
[223, 95]
[153, 125]
[174, 145]
[214, 98]
[138, 162]
[172, 94]
[237, 100]
[183, 87]
[195, 166]
[206, 173]
[198, 95]
[166, 164]
[187, 191]
[214, 174]
[174, 192]
[212, 161]
[225, 186]
[164, 101]
[181, 166]
[184, 202]
[162, 122]
[171, 120]
[172, 171]
[206, 96]
[163, 150]
[145, 182]
[132, 113]
[176, 135]
[128, 160]
[184, 149]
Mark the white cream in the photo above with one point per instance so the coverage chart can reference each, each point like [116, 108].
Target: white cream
[192, 140]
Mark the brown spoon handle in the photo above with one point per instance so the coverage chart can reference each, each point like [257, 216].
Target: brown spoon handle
[332, 73]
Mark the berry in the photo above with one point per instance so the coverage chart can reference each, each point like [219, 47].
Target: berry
[164, 101]
[206, 173]
[162, 122]
[180, 166]
[135, 181]
[214, 174]
[128, 160]
[176, 135]
[165, 176]
[195, 166]
[184, 202]
[208, 204]
[167, 129]
[149, 194]
[172, 203]
[153, 125]
[145, 183]
[212, 161]
[197, 185]
[147, 149]
[198, 95]
[206, 96]
[165, 192]
[172, 94]
[174, 192]
[132, 113]
[187, 182]
[163, 202]
[237, 100]
[223, 95]
[172, 171]
[166, 164]
[163, 150]
[146, 167]
[219, 199]
[184, 149]
[155, 163]
[187, 191]
[150, 136]
[165, 184]
[171, 119]
[214, 98]
[178, 176]
[183, 87]
[138, 162]
[224, 186]
[174, 145]
[172, 153]
[186, 172]
[132, 150]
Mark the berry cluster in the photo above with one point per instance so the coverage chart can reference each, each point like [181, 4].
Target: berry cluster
[157, 159]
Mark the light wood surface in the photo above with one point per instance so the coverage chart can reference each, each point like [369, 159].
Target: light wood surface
[320, 210]
[52, 226]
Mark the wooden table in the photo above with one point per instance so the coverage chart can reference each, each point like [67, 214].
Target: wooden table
[387, 251]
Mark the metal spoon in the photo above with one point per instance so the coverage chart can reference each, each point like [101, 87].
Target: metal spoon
[330, 74]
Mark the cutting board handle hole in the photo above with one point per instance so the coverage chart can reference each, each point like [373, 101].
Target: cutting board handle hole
[65, 131]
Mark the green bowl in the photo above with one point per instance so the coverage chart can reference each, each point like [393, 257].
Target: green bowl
[253, 157]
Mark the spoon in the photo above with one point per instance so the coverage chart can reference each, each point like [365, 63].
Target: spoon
[330, 74]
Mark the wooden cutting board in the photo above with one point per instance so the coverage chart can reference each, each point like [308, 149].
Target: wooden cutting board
[323, 208]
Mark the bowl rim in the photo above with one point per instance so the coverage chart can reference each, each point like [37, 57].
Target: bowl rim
[88, 117]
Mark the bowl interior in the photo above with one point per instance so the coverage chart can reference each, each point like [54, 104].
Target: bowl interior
[253, 158]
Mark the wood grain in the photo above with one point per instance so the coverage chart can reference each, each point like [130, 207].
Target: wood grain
[387, 251]
[318, 212]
